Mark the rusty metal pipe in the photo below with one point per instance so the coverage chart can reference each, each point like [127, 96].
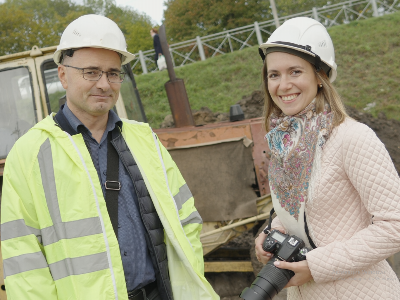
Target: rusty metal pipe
[167, 54]
[175, 88]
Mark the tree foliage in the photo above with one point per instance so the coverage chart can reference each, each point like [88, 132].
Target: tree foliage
[185, 19]
[24, 23]
[135, 26]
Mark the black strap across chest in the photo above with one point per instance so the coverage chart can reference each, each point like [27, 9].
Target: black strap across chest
[112, 184]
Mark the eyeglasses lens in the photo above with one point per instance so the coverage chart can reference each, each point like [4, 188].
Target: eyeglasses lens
[90, 74]
[115, 77]
[94, 75]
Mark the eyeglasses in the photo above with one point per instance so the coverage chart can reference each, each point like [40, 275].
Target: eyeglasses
[95, 74]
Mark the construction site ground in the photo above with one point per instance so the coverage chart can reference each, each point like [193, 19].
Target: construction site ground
[230, 285]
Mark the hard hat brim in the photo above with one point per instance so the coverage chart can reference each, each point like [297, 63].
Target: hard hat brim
[265, 46]
[127, 56]
[273, 45]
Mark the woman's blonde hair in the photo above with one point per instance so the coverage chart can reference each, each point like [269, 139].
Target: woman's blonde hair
[326, 92]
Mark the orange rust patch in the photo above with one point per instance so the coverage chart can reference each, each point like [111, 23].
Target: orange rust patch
[208, 134]
[171, 142]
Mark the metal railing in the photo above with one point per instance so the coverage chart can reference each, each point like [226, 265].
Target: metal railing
[201, 48]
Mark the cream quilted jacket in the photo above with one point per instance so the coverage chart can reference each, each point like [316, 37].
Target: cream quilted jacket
[354, 220]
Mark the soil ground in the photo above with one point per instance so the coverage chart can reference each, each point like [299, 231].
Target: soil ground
[230, 285]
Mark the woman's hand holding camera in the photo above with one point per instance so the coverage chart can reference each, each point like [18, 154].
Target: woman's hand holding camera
[301, 270]
[262, 256]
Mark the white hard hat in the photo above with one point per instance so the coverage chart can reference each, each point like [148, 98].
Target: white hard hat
[93, 31]
[306, 38]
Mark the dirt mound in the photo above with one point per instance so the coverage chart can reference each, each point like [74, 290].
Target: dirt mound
[201, 117]
[252, 107]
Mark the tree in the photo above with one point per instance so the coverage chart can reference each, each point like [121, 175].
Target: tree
[135, 26]
[185, 19]
[24, 23]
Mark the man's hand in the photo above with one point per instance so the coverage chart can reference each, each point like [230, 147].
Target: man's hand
[263, 256]
[301, 270]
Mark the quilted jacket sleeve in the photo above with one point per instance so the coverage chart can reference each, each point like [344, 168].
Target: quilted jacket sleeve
[372, 173]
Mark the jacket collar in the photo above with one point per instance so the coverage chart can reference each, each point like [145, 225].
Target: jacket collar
[68, 122]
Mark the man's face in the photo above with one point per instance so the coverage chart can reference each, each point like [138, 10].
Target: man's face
[90, 98]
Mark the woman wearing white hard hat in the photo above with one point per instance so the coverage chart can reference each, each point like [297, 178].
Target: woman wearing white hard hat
[332, 181]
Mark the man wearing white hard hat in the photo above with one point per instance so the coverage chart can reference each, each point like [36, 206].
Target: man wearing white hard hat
[333, 184]
[93, 206]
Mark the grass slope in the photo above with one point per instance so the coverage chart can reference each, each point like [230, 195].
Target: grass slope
[367, 55]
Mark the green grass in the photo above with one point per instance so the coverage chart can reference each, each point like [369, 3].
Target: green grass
[367, 55]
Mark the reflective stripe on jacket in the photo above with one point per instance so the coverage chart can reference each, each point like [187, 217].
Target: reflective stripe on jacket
[57, 238]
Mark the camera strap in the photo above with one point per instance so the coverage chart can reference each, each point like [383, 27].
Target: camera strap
[308, 234]
[267, 229]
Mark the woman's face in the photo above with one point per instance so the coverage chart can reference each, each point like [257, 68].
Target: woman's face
[292, 82]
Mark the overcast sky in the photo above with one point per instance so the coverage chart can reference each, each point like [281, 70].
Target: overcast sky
[152, 8]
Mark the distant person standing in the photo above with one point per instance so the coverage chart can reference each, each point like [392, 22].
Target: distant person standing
[156, 43]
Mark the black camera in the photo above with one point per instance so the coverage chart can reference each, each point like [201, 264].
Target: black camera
[271, 280]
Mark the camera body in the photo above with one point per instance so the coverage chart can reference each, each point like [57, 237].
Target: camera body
[271, 280]
[285, 247]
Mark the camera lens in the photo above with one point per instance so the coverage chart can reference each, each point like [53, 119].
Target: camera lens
[269, 282]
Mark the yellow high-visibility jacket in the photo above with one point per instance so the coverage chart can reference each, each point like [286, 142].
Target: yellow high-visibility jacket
[57, 238]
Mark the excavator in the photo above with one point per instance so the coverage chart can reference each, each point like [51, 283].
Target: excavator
[225, 164]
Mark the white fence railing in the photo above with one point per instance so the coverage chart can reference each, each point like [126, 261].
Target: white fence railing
[209, 46]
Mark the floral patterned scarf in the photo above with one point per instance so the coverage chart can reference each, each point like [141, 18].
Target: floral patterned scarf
[296, 144]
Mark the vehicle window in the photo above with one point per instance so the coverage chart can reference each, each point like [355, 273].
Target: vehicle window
[54, 89]
[130, 97]
[17, 110]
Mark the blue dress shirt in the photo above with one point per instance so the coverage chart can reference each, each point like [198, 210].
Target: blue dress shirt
[136, 260]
